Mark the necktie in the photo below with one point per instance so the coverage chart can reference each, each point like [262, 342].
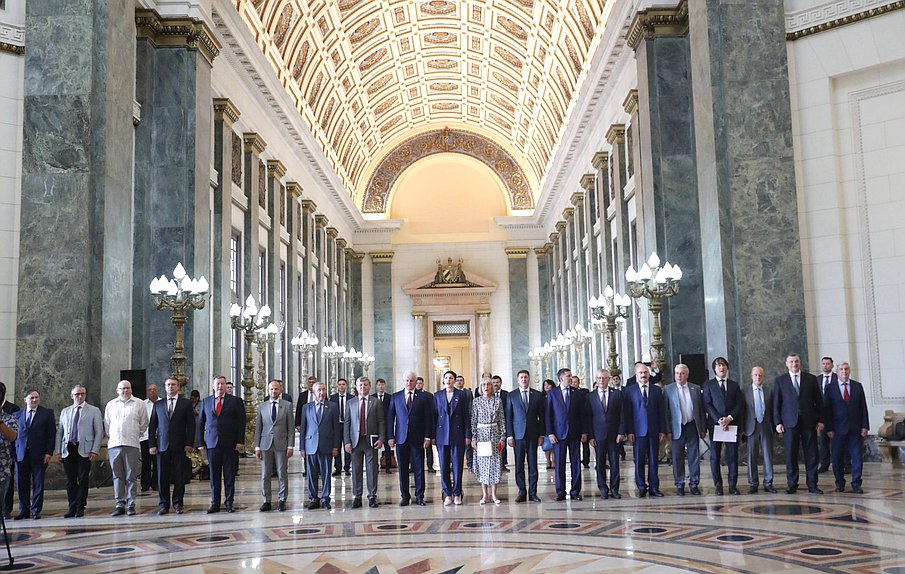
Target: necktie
[826, 381]
[686, 402]
[566, 397]
[525, 399]
[362, 427]
[219, 405]
[644, 393]
[170, 406]
[342, 407]
[74, 437]
[320, 412]
[795, 384]
[408, 402]
[605, 400]
[758, 404]
[28, 422]
[273, 411]
[723, 387]
[847, 397]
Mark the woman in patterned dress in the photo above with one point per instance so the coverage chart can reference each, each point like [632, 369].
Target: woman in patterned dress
[488, 425]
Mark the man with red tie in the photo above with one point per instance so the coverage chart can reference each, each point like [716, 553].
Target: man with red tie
[222, 435]
[846, 423]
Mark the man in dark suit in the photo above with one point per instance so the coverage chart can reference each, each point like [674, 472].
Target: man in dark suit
[343, 461]
[845, 416]
[34, 448]
[645, 423]
[469, 448]
[503, 395]
[81, 435]
[410, 428]
[364, 435]
[566, 425]
[305, 397]
[386, 456]
[797, 410]
[687, 425]
[725, 406]
[429, 451]
[826, 378]
[525, 431]
[606, 430]
[222, 434]
[171, 435]
[655, 375]
[320, 439]
[452, 433]
[585, 446]
[759, 430]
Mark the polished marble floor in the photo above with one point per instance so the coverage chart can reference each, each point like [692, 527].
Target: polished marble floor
[749, 533]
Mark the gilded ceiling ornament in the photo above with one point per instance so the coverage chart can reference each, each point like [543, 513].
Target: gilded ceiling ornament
[446, 141]
[399, 14]
[417, 112]
[440, 38]
[315, 89]
[347, 85]
[283, 23]
[345, 5]
[385, 105]
[506, 81]
[512, 27]
[444, 106]
[390, 124]
[541, 54]
[442, 64]
[509, 57]
[300, 60]
[548, 22]
[355, 107]
[438, 7]
[375, 57]
[328, 113]
[505, 104]
[444, 86]
[527, 3]
[322, 24]
[379, 83]
[573, 55]
[405, 45]
[477, 13]
[364, 30]
[501, 122]
[586, 25]
[563, 83]
[335, 57]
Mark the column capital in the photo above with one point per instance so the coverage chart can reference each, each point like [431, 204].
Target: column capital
[544, 249]
[517, 252]
[177, 32]
[560, 226]
[354, 255]
[381, 256]
[293, 189]
[577, 198]
[226, 111]
[483, 314]
[275, 168]
[631, 102]
[418, 315]
[320, 220]
[568, 213]
[587, 182]
[658, 21]
[340, 243]
[308, 206]
[332, 232]
[554, 237]
[254, 143]
[616, 134]
[601, 160]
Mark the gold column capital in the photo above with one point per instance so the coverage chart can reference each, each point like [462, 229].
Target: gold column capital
[418, 315]
[560, 226]
[381, 256]
[601, 160]
[544, 249]
[332, 232]
[320, 220]
[293, 189]
[658, 21]
[568, 213]
[275, 168]
[577, 198]
[554, 237]
[517, 252]
[354, 255]
[341, 243]
[308, 206]
[177, 32]
[254, 143]
[226, 111]
[587, 182]
[616, 134]
[483, 314]
[631, 102]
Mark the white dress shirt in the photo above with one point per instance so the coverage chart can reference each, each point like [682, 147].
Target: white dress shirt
[125, 422]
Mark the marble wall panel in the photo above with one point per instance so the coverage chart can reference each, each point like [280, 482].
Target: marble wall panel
[382, 280]
[518, 313]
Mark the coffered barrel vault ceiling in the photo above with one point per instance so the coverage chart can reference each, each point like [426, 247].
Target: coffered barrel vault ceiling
[368, 75]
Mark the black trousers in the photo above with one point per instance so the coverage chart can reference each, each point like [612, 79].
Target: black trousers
[344, 460]
[148, 468]
[171, 471]
[526, 451]
[77, 469]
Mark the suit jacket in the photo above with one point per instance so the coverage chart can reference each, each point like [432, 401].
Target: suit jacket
[91, 430]
[375, 420]
[278, 435]
[641, 420]
[453, 418]
[385, 401]
[605, 425]
[791, 408]
[320, 438]
[750, 412]
[404, 426]
[566, 422]
[717, 407]
[172, 432]
[334, 398]
[38, 439]
[654, 379]
[834, 380]
[845, 418]
[674, 409]
[226, 430]
[303, 400]
[525, 423]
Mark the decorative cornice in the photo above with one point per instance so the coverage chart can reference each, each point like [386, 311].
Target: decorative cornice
[354, 255]
[275, 168]
[382, 256]
[601, 160]
[616, 134]
[293, 189]
[12, 39]
[308, 206]
[554, 237]
[658, 21]
[12, 48]
[834, 14]
[577, 198]
[418, 314]
[340, 242]
[560, 226]
[321, 220]
[517, 252]
[332, 233]
[254, 143]
[187, 32]
[568, 213]
[226, 111]
[587, 183]
[543, 250]
[631, 102]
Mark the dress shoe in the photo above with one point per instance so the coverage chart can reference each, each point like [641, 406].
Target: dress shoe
[118, 511]
[337, 473]
[348, 473]
[372, 503]
[326, 505]
[615, 494]
[505, 469]
[230, 509]
[857, 490]
[815, 490]
[36, 516]
[560, 497]
[791, 490]
[388, 471]
[314, 504]
[576, 497]
[419, 501]
[405, 502]
[356, 502]
[823, 468]
[70, 514]
[282, 506]
[770, 489]
[457, 500]
[178, 508]
[839, 489]
[130, 511]
[718, 491]
[753, 489]
[213, 509]
[695, 490]
[163, 510]
[80, 513]
[534, 498]
[521, 498]
[656, 492]
[265, 507]
[604, 494]
[642, 493]
[733, 490]
[680, 490]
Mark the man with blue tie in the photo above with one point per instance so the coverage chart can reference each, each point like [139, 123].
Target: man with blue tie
[607, 429]
[34, 448]
[171, 435]
[525, 432]
[81, 434]
[452, 434]
[645, 419]
[274, 439]
[686, 426]
[565, 422]
[845, 417]
[759, 430]
[320, 437]
[410, 428]
[797, 413]
[725, 406]
[222, 434]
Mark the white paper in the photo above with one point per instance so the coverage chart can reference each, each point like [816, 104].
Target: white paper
[484, 449]
[728, 435]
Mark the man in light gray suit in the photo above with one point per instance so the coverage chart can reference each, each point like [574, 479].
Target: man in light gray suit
[81, 433]
[687, 426]
[759, 430]
[364, 433]
[321, 439]
[274, 441]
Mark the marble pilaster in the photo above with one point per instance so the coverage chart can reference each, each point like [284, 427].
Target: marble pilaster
[253, 185]
[752, 275]
[420, 337]
[332, 288]
[382, 288]
[544, 290]
[625, 237]
[518, 307]
[321, 293]
[274, 364]
[355, 301]
[308, 269]
[295, 368]
[484, 351]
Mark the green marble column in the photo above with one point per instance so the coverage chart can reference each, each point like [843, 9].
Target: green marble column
[382, 287]
[518, 308]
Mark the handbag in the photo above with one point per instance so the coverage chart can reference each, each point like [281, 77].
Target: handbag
[547, 446]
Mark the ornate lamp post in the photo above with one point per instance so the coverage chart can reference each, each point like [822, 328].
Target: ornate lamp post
[332, 353]
[366, 361]
[178, 295]
[561, 344]
[549, 352]
[536, 357]
[580, 339]
[605, 314]
[350, 358]
[247, 319]
[265, 335]
[305, 345]
[654, 283]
